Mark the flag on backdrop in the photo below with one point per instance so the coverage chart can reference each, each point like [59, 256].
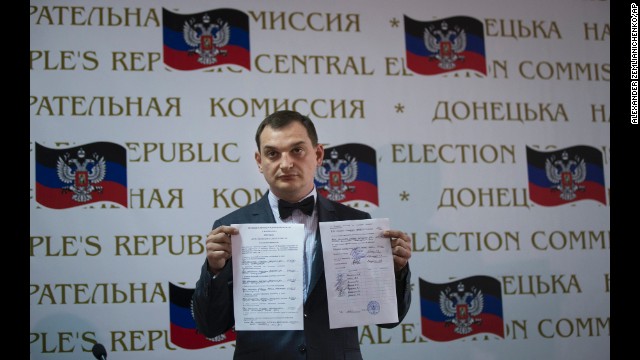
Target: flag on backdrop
[206, 39]
[183, 326]
[461, 308]
[81, 175]
[566, 175]
[348, 172]
[445, 45]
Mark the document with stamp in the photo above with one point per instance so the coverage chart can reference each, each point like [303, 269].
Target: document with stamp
[267, 276]
[358, 266]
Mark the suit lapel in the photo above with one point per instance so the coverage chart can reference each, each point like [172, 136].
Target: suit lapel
[326, 212]
[261, 212]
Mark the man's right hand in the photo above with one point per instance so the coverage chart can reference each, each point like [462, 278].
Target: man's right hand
[218, 247]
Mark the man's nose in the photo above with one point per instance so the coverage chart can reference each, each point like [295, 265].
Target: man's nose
[285, 161]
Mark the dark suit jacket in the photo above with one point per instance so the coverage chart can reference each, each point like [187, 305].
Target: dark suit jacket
[213, 300]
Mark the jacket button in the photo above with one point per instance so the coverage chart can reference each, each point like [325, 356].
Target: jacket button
[302, 348]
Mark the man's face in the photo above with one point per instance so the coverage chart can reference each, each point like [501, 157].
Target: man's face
[288, 160]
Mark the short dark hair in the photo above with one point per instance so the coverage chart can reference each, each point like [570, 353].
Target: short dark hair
[282, 118]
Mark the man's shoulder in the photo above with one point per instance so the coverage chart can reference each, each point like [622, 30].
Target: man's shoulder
[349, 211]
[244, 214]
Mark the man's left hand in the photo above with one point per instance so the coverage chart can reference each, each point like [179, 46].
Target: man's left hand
[400, 248]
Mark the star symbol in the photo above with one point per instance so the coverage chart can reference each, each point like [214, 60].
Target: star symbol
[399, 108]
[411, 287]
[404, 196]
[394, 22]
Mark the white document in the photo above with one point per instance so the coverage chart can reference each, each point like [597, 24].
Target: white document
[267, 276]
[358, 266]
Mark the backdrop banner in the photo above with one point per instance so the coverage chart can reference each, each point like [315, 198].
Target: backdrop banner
[480, 128]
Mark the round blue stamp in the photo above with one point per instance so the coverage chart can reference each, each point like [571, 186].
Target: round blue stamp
[373, 307]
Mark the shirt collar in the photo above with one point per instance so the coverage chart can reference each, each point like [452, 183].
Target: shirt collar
[273, 201]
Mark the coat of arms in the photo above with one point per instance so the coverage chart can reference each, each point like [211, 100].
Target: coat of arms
[208, 38]
[461, 306]
[83, 174]
[337, 173]
[446, 44]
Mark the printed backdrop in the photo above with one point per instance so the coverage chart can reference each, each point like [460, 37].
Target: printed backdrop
[479, 128]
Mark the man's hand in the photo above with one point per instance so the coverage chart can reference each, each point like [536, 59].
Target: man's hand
[218, 247]
[400, 248]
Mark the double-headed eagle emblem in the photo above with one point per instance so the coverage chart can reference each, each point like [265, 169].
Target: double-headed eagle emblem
[446, 44]
[462, 306]
[207, 38]
[83, 174]
[336, 174]
[566, 174]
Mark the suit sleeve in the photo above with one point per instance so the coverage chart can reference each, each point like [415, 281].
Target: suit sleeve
[213, 300]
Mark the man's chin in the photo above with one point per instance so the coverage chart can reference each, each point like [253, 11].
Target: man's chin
[287, 188]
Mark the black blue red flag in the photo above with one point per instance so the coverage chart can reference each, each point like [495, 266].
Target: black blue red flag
[348, 173]
[183, 326]
[206, 39]
[81, 175]
[566, 175]
[445, 45]
[461, 308]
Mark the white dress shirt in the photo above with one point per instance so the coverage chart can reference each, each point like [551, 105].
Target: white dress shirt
[310, 227]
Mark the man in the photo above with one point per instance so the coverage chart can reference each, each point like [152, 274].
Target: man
[288, 155]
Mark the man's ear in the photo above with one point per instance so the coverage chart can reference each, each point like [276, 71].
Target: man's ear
[319, 154]
[258, 160]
